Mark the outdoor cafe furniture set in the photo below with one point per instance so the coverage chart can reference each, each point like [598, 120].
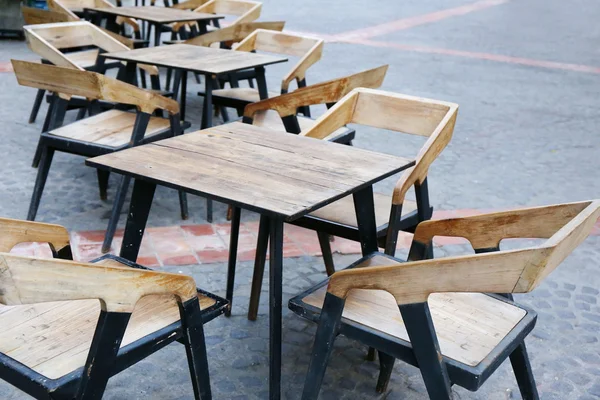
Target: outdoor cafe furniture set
[454, 318]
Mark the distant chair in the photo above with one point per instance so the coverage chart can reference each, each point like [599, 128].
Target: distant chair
[438, 314]
[101, 133]
[68, 327]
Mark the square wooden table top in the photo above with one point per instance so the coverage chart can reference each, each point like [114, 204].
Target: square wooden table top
[159, 15]
[255, 168]
[196, 58]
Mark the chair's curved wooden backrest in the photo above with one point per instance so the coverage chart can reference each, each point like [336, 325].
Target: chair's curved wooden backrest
[397, 112]
[93, 86]
[14, 232]
[66, 7]
[246, 11]
[508, 271]
[47, 40]
[330, 91]
[308, 49]
[234, 33]
[35, 16]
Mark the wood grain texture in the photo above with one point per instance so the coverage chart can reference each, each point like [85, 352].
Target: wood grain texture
[189, 5]
[25, 280]
[54, 338]
[308, 49]
[255, 167]
[271, 120]
[195, 58]
[321, 93]
[468, 326]
[513, 271]
[245, 11]
[69, 7]
[241, 93]
[233, 33]
[342, 211]
[159, 15]
[400, 113]
[90, 85]
[35, 16]
[111, 128]
[13, 232]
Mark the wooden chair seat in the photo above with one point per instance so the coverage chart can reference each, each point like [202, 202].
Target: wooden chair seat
[84, 59]
[54, 338]
[342, 210]
[248, 95]
[271, 119]
[469, 326]
[111, 128]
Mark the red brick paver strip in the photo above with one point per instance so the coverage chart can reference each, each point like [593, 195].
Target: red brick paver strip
[208, 243]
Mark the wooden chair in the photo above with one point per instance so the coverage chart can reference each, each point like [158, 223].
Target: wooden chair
[35, 16]
[190, 4]
[101, 133]
[437, 314]
[67, 327]
[406, 114]
[49, 41]
[76, 8]
[308, 49]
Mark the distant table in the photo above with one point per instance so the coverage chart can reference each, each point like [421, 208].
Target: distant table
[207, 61]
[283, 177]
[157, 16]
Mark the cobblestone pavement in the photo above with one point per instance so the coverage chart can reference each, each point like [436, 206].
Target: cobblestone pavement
[524, 73]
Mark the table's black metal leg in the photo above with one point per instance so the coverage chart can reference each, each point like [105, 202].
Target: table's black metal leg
[233, 247]
[275, 294]
[129, 74]
[184, 75]
[111, 23]
[207, 106]
[141, 201]
[365, 216]
[157, 32]
[262, 83]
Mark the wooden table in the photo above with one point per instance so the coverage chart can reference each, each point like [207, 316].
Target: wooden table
[207, 61]
[157, 16]
[280, 176]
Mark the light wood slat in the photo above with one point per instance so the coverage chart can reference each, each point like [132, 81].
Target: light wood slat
[468, 325]
[246, 94]
[196, 58]
[255, 167]
[54, 338]
[270, 119]
[342, 211]
[84, 59]
[161, 15]
[111, 128]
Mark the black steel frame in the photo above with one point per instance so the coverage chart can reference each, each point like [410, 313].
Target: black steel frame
[105, 359]
[422, 351]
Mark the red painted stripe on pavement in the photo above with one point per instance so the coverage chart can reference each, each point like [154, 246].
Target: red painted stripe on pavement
[411, 22]
[6, 67]
[530, 62]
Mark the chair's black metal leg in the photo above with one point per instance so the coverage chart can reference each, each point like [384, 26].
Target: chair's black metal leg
[209, 210]
[184, 75]
[233, 247]
[371, 354]
[329, 324]
[208, 103]
[49, 112]
[39, 97]
[275, 296]
[260, 259]
[326, 251]
[417, 319]
[169, 77]
[386, 366]
[176, 84]
[262, 83]
[81, 113]
[103, 183]
[143, 78]
[102, 355]
[141, 201]
[365, 217]
[523, 372]
[37, 155]
[195, 348]
[225, 114]
[115, 213]
[391, 239]
[157, 32]
[183, 205]
[40, 181]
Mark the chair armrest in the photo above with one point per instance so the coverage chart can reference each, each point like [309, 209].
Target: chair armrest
[299, 71]
[14, 231]
[25, 280]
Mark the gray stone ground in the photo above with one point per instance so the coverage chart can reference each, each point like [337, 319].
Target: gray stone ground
[524, 136]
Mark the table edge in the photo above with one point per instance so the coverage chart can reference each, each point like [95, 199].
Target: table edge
[108, 11]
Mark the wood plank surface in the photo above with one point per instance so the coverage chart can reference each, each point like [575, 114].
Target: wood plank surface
[196, 58]
[161, 15]
[256, 168]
